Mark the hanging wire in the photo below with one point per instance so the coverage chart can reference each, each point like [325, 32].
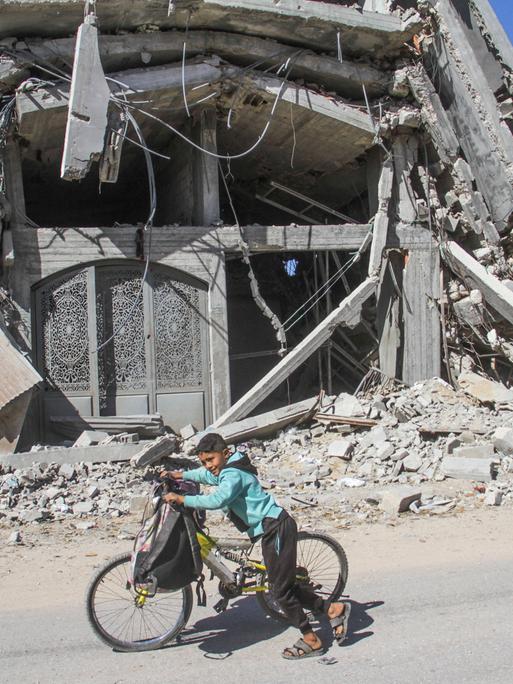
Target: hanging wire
[199, 147]
[255, 290]
[295, 317]
[293, 136]
[184, 50]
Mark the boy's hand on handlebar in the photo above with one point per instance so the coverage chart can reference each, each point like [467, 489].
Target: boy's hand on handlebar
[173, 498]
[172, 474]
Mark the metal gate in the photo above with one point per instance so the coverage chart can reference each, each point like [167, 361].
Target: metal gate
[156, 360]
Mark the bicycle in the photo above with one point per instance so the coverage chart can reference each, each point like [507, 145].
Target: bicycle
[131, 617]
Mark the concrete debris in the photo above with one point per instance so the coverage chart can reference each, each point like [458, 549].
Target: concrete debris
[398, 499]
[90, 438]
[503, 440]
[155, 451]
[479, 469]
[188, 431]
[308, 467]
[493, 497]
[341, 448]
[14, 537]
[483, 389]
[477, 451]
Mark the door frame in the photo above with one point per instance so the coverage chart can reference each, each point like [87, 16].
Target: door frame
[91, 269]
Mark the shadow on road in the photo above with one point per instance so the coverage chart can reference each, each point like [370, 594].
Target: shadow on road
[360, 620]
[244, 624]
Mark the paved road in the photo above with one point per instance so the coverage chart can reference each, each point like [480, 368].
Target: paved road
[427, 608]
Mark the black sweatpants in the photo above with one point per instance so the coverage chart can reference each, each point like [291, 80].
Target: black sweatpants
[279, 548]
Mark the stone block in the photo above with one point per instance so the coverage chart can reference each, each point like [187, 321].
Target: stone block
[398, 499]
[155, 451]
[503, 440]
[493, 498]
[341, 448]
[188, 431]
[374, 437]
[452, 443]
[459, 468]
[35, 515]
[67, 471]
[475, 451]
[384, 451]
[90, 438]
[349, 406]
[83, 507]
[412, 463]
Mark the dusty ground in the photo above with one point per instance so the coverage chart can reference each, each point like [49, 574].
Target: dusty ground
[431, 603]
[54, 564]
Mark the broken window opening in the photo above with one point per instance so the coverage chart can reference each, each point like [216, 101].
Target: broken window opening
[340, 363]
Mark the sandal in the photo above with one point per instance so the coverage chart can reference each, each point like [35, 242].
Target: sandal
[341, 621]
[302, 650]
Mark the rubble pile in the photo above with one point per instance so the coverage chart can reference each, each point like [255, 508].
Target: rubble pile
[358, 459]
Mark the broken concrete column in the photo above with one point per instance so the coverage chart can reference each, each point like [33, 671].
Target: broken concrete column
[88, 103]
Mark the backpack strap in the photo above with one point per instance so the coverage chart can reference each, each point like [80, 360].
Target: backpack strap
[193, 541]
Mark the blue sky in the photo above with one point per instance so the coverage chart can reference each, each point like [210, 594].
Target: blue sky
[504, 10]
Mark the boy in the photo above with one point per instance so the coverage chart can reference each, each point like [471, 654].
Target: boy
[255, 511]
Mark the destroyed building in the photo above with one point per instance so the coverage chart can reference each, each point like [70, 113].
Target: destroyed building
[216, 206]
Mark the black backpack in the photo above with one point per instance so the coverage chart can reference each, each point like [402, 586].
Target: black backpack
[166, 551]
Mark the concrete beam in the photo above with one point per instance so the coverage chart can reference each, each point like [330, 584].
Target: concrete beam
[208, 72]
[132, 82]
[381, 220]
[305, 23]
[347, 313]
[128, 51]
[498, 296]
[309, 99]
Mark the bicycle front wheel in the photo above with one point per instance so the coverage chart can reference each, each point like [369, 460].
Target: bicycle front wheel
[122, 620]
[321, 563]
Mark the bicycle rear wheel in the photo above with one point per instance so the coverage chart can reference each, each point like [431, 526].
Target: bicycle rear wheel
[321, 563]
[122, 620]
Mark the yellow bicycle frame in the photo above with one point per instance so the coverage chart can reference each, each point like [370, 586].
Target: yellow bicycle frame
[209, 545]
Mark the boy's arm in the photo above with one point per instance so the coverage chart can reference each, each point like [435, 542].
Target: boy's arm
[200, 475]
[229, 489]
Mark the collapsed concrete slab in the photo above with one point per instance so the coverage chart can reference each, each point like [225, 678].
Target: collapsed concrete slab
[347, 313]
[498, 295]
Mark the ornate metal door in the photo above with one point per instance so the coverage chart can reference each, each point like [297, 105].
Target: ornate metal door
[156, 356]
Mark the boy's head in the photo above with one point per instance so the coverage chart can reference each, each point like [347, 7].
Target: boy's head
[213, 452]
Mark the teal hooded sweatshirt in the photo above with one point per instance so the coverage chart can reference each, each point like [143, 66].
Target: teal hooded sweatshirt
[237, 491]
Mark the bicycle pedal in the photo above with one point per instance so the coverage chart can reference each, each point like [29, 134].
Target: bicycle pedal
[221, 605]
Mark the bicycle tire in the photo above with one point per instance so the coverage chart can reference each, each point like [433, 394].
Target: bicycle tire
[110, 585]
[306, 560]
